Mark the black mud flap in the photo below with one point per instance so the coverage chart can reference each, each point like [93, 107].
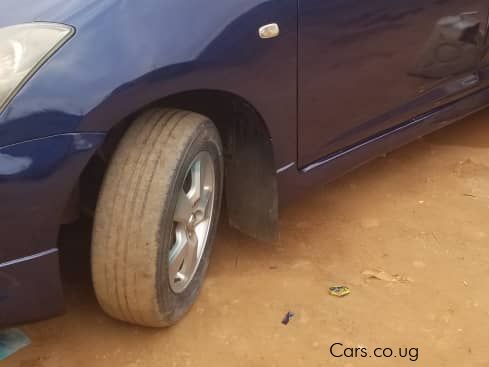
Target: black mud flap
[251, 184]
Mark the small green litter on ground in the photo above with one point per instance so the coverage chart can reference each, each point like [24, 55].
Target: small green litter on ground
[339, 291]
[11, 341]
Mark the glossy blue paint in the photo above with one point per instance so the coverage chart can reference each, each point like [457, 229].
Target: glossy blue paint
[128, 54]
[30, 290]
[364, 54]
[36, 178]
[337, 88]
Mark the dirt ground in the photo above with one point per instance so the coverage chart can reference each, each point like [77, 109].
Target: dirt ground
[420, 215]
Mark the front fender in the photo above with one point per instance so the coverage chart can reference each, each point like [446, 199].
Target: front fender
[127, 55]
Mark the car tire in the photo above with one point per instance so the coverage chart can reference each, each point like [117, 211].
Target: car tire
[156, 217]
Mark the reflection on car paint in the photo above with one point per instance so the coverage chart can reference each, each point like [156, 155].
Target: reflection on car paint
[455, 46]
[10, 165]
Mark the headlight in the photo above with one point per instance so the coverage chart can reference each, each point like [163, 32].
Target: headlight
[23, 49]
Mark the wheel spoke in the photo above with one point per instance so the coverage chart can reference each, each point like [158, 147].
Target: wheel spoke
[201, 229]
[205, 189]
[203, 205]
[184, 208]
[177, 253]
[191, 256]
[196, 174]
[183, 257]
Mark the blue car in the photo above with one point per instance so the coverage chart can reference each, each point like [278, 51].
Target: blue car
[147, 114]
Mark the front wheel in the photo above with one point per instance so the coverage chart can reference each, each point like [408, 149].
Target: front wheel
[156, 217]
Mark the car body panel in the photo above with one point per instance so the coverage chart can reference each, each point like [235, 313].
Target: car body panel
[36, 179]
[295, 182]
[23, 11]
[200, 53]
[381, 61]
[30, 289]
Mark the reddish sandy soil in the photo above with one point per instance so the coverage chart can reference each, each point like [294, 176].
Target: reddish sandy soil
[421, 214]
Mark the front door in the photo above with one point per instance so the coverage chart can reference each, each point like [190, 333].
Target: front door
[369, 65]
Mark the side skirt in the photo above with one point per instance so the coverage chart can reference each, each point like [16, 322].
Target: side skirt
[294, 181]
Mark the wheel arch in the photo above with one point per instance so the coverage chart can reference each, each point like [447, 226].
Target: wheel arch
[251, 189]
